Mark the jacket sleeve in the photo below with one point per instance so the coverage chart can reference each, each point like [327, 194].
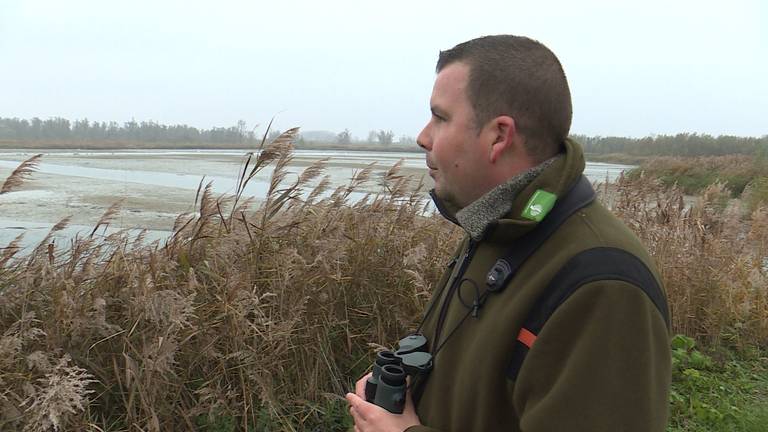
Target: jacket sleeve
[602, 362]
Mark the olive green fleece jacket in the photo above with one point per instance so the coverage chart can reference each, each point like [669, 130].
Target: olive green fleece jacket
[600, 363]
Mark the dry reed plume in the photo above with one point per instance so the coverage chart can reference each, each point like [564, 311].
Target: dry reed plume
[257, 317]
[21, 173]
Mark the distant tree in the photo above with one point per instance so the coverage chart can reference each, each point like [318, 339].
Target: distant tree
[371, 137]
[273, 134]
[81, 129]
[385, 137]
[35, 130]
[98, 131]
[242, 131]
[6, 130]
[344, 137]
[406, 140]
[55, 128]
[113, 130]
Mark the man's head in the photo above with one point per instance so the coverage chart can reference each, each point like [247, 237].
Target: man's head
[500, 105]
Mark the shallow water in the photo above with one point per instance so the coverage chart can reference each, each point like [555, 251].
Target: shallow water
[165, 176]
[34, 232]
[185, 169]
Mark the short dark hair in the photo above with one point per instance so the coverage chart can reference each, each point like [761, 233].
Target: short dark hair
[519, 77]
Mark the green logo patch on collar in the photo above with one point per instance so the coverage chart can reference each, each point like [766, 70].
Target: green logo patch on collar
[539, 205]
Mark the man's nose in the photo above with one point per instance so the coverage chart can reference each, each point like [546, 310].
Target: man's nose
[423, 139]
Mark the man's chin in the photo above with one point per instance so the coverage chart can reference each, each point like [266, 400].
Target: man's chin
[446, 197]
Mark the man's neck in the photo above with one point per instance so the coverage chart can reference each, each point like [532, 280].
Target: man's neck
[497, 202]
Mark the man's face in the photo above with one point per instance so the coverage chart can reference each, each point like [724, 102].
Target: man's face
[455, 157]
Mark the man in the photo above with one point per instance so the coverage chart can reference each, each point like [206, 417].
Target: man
[551, 316]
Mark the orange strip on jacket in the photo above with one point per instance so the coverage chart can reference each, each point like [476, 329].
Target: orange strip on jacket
[526, 337]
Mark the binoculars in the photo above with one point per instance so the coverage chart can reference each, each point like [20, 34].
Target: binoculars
[386, 387]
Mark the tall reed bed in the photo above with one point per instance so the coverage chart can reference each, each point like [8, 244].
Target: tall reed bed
[253, 317]
[258, 316]
[712, 256]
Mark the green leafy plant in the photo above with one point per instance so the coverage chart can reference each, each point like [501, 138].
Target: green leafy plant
[707, 395]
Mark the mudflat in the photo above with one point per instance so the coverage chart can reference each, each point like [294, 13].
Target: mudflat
[152, 187]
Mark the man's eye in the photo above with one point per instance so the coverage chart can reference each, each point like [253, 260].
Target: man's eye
[438, 118]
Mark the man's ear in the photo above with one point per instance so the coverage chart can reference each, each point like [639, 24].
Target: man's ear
[504, 131]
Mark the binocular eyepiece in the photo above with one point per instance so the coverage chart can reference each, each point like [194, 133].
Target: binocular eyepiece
[386, 387]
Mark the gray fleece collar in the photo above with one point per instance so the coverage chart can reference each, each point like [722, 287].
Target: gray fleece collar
[497, 202]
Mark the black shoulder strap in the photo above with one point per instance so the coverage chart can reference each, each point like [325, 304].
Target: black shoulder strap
[601, 263]
[578, 197]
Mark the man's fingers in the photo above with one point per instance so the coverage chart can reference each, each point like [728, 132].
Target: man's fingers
[356, 407]
[369, 417]
[409, 407]
[360, 386]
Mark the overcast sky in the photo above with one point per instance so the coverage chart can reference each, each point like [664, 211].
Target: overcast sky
[635, 67]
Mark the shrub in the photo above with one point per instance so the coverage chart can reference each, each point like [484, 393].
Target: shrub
[694, 174]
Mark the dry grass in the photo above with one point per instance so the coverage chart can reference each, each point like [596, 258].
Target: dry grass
[712, 259]
[259, 317]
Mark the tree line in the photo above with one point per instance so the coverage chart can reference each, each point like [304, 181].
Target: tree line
[60, 129]
[682, 144]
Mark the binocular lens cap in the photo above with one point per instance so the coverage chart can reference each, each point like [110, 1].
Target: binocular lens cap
[409, 344]
[416, 363]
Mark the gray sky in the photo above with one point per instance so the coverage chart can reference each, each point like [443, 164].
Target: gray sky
[635, 67]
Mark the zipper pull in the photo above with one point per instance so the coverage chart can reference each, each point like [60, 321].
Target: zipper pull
[452, 262]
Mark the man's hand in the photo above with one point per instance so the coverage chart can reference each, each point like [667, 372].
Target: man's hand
[372, 418]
